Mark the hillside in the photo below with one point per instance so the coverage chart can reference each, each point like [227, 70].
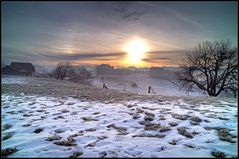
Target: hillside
[48, 118]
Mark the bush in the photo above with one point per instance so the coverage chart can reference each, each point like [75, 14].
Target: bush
[134, 85]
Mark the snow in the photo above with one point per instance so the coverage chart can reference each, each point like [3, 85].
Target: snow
[44, 112]
[160, 86]
[11, 79]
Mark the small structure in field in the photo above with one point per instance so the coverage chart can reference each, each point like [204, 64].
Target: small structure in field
[134, 85]
[19, 68]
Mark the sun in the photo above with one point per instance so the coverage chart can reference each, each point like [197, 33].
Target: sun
[136, 50]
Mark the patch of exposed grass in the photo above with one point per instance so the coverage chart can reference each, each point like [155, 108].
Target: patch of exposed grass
[27, 115]
[76, 154]
[102, 154]
[150, 135]
[149, 114]
[89, 119]
[173, 142]
[95, 113]
[190, 146]
[7, 135]
[144, 122]
[118, 128]
[184, 132]
[59, 117]
[131, 105]
[102, 137]
[194, 123]
[173, 124]
[148, 118]
[195, 133]
[12, 112]
[26, 125]
[91, 144]
[150, 126]
[69, 142]
[91, 129]
[64, 110]
[224, 135]
[38, 130]
[59, 130]
[40, 110]
[8, 151]
[52, 138]
[70, 103]
[136, 116]
[164, 128]
[32, 103]
[123, 133]
[6, 126]
[181, 117]
[74, 135]
[138, 110]
[162, 118]
[195, 119]
[222, 118]
[218, 154]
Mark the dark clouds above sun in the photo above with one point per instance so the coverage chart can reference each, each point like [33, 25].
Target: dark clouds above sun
[95, 32]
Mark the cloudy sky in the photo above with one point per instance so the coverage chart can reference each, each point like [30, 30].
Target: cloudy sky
[96, 32]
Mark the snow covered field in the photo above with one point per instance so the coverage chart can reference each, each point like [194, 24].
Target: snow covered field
[133, 129]
[47, 126]
[160, 86]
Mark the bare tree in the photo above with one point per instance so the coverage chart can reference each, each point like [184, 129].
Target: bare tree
[212, 67]
[61, 70]
[81, 76]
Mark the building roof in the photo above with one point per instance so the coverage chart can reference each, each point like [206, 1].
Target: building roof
[22, 67]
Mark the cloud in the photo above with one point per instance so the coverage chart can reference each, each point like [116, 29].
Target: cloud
[83, 56]
[156, 59]
[127, 12]
[175, 12]
[168, 52]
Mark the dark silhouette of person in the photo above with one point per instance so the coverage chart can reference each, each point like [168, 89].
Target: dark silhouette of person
[104, 86]
[149, 89]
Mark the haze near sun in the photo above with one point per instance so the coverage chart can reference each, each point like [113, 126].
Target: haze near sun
[136, 50]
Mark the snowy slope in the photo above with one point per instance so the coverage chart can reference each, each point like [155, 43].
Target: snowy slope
[160, 86]
[127, 129]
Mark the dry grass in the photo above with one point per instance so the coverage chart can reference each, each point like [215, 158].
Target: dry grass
[8, 151]
[195, 119]
[164, 128]
[76, 154]
[69, 142]
[218, 154]
[150, 135]
[184, 132]
[89, 119]
[38, 130]
[52, 138]
[150, 126]
[91, 129]
[7, 135]
[181, 117]
[6, 126]
[224, 135]
[118, 128]
[59, 131]
[173, 124]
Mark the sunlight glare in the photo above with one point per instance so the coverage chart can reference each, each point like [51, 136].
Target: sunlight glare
[136, 50]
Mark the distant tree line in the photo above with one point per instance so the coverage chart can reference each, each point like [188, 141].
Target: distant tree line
[65, 70]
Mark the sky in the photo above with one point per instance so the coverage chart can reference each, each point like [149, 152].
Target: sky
[46, 33]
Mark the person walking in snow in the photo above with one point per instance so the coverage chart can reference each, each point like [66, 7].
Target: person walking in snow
[104, 87]
[149, 89]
